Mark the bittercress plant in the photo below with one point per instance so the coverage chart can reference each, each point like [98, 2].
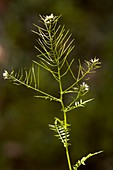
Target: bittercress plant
[54, 46]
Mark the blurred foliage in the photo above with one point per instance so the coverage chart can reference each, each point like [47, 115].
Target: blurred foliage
[25, 140]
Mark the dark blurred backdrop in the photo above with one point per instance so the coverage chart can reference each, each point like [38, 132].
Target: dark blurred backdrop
[26, 143]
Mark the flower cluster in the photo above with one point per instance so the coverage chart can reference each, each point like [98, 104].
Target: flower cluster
[93, 64]
[78, 103]
[84, 87]
[5, 74]
[49, 19]
[95, 60]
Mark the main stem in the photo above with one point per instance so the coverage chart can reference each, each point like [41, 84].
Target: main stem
[65, 118]
[61, 99]
[67, 146]
[68, 158]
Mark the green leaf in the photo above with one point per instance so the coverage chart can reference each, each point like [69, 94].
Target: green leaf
[82, 161]
[61, 130]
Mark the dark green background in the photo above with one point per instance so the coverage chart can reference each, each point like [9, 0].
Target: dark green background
[26, 143]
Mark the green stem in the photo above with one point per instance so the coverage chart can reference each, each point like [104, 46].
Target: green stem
[78, 80]
[68, 158]
[33, 88]
[65, 118]
[61, 97]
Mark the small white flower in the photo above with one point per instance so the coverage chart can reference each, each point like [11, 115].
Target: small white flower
[5, 74]
[49, 18]
[84, 86]
[79, 103]
[94, 60]
[76, 103]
